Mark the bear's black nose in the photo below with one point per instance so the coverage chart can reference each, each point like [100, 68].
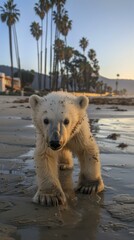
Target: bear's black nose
[55, 145]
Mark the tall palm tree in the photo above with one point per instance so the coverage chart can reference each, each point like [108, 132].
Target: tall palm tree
[40, 11]
[95, 66]
[17, 52]
[83, 44]
[36, 31]
[68, 53]
[63, 25]
[66, 25]
[59, 56]
[57, 20]
[117, 83]
[10, 14]
[52, 2]
[47, 7]
[101, 86]
[59, 8]
[93, 60]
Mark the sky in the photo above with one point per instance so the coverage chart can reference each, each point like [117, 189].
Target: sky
[107, 24]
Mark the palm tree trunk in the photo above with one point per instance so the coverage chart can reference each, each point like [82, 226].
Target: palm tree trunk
[45, 66]
[11, 56]
[38, 59]
[41, 55]
[17, 52]
[51, 37]
[55, 61]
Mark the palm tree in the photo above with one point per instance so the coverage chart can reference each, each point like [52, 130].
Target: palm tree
[83, 44]
[36, 31]
[101, 86]
[65, 24]
[59, 57]
[58, 15]
[17, 52]
[10, 14]
[47, 7]
[40, 11]
[64, 27]
[52, 2]
[116, 83]
[92, 54]
[95, 66]
[68, 53]
[62, 22]
[57, 20]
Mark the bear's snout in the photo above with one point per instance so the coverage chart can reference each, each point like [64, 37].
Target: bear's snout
[55, 143]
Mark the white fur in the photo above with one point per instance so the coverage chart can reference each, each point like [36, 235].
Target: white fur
[74, 136]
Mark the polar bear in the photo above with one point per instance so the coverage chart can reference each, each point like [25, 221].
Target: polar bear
[62, 128]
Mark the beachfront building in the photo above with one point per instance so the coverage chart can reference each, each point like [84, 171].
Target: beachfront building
[5, 83]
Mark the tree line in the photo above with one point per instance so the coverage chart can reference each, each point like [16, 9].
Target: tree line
[66, 67]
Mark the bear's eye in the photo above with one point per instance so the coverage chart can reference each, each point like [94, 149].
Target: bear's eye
[66, 121]
[46, 121]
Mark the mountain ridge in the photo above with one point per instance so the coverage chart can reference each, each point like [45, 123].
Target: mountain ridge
[122, 84]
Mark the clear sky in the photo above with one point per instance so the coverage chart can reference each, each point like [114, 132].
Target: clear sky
[107, 24]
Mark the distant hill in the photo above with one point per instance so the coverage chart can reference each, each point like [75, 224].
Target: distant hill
[122, 83]
[6, 70]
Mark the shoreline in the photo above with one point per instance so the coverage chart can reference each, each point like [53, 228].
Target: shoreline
[94, 98]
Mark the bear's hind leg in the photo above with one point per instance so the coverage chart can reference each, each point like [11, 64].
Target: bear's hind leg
[65, 160]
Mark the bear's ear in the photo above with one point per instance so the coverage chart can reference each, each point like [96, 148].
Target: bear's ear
[34, 100]
[83, 102]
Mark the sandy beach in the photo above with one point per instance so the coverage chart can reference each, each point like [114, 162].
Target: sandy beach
[109, 215]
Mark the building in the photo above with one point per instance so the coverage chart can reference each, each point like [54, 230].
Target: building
[5, 83]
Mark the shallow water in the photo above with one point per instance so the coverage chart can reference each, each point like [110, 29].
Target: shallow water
[10, 117]
[124, 127]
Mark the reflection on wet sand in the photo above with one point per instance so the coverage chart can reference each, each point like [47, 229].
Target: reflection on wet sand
[78, 220]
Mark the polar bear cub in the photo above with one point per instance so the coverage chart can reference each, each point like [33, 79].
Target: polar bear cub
[62, 128]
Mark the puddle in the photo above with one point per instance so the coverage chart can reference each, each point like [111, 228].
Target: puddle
[107, 169]
[10, 166]
[20, 166]
[30, 126]
[10, 117]
[29, 154]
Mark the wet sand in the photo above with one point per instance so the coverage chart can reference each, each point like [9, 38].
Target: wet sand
[109, 215]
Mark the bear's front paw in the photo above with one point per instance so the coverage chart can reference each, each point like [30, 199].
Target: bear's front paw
[49, 199]
[90, 187]
[64, 166]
